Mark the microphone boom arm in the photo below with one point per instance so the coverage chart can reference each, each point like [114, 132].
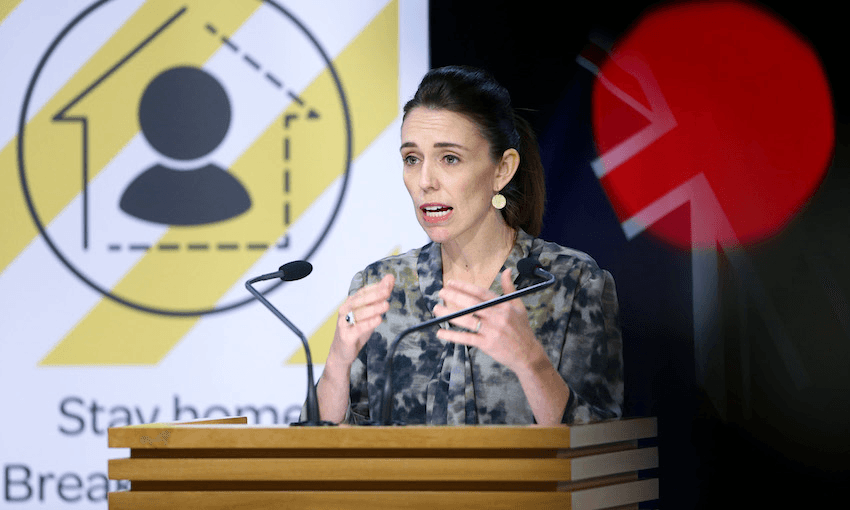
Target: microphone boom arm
[312, 398]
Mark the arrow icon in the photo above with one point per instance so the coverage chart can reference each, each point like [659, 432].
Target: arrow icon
[629, 80]
[62, 116]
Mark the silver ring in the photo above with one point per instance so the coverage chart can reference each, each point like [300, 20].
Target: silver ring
[349, 318]
[477, 327]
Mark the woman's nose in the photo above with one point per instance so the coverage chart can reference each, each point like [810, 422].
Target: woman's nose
[427, 176]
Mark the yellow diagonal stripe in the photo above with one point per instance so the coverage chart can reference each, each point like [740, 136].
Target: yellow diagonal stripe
[53, 149]
[114, 334]
[6, 7]
[16, 229]
[16, 226]
[320, 342]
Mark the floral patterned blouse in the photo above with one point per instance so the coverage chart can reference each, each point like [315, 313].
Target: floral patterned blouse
[436, 382]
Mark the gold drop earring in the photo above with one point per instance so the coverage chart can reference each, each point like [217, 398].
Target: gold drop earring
[499, 201]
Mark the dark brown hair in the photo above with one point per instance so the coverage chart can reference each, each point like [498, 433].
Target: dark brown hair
[477, 95]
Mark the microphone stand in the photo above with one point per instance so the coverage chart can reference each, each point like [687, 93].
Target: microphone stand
[386, 397]
[312, 398]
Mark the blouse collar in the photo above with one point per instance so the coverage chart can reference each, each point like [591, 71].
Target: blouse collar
[429, 267]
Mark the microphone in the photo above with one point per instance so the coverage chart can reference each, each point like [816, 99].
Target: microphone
[289, 272]
[530, 266]
[526, 267]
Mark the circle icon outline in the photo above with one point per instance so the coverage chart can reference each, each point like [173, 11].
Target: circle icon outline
[21, 139]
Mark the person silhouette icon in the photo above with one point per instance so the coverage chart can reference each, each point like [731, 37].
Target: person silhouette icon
[184, 114]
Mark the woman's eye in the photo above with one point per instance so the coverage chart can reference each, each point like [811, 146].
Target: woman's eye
[451, 159]
[410, 160]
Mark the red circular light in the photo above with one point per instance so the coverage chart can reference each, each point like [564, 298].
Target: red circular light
[719, 106]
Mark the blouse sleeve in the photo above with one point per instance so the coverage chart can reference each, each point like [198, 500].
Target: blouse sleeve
[358, 395]
[592, 359]
[358, 398]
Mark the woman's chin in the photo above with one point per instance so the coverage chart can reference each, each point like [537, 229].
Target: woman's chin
[437, 234]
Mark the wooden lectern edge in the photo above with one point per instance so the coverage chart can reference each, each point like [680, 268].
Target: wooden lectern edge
[231, 420]
[650, 424]
[577, 436]
[626, 429]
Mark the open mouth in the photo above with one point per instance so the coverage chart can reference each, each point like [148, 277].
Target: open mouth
[436, 212]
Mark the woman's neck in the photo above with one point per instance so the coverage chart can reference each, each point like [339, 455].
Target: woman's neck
[478, 260]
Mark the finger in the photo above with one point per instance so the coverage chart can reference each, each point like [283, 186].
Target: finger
[354, 336]
[365, 313]
[368, 295]
[460, 337]
[508, 286]
[349, 340]
[470, 322]
[507, 282]
[368, 305]
[458, 298]
[362, 330]
[470, 289]
[374, 301]
[388, 280]
[371, 293]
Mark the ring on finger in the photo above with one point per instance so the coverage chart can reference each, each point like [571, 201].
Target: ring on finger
[349, 318]
[477, 327]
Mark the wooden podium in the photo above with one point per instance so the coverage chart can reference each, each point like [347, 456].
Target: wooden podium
[229, 464]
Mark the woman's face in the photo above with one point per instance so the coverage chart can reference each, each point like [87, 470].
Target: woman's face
[450, 175]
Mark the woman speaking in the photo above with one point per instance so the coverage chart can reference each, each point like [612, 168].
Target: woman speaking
[475, 179]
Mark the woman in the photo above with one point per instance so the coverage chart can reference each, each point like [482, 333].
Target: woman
[473, 172]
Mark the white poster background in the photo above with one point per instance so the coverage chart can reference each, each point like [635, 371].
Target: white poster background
[53, 448]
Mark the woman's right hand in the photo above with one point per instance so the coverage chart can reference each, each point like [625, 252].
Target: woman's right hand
[368, 305]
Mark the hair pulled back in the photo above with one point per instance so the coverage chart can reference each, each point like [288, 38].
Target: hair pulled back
[475, 94]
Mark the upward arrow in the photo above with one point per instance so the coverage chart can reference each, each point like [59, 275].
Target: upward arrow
[62, 115]
[710, 228]
[657, 112]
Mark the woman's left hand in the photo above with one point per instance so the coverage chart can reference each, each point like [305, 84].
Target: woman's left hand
[501, 331]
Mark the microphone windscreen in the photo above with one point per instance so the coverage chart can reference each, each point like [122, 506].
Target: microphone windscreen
[295, 270]
[527, 266]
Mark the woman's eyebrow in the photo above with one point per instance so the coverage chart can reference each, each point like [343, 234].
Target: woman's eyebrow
[436, 145]
[449, 144]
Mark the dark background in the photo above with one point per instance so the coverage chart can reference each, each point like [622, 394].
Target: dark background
[773, 443]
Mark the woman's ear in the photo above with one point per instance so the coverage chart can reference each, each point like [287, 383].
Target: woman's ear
[507, 168]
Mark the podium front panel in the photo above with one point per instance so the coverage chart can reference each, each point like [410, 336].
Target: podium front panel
[229, 464]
